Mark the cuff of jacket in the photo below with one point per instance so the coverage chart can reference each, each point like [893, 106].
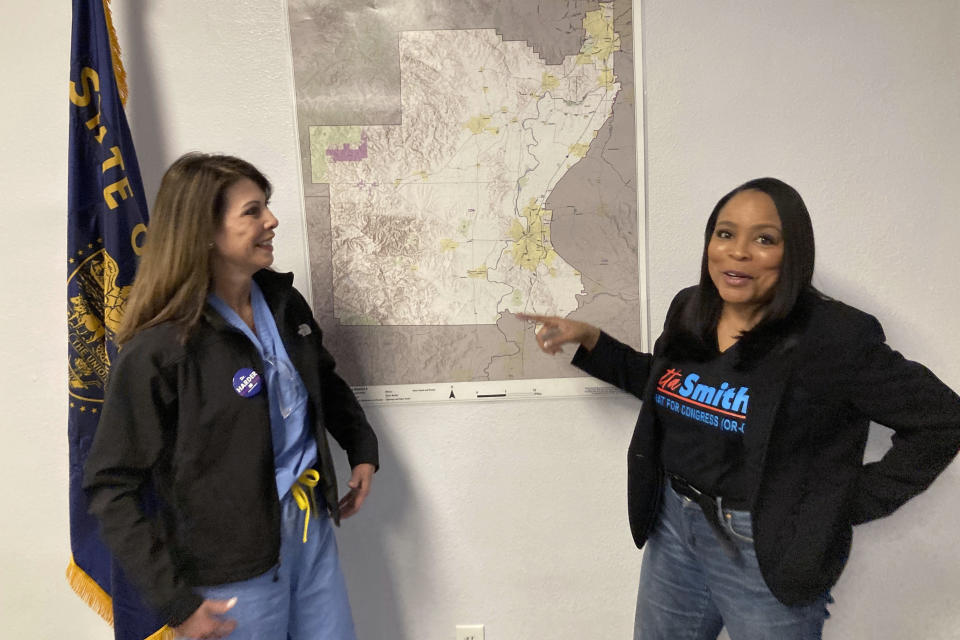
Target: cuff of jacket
[182, 607]
[865, 503]
[367, 453]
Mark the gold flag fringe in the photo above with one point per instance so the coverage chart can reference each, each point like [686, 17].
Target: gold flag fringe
[98, 599]
[119, 73]
[89, 591]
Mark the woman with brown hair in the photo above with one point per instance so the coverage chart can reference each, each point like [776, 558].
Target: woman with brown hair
[220, 402]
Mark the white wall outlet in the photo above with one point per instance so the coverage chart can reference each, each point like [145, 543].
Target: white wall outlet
[469, 632]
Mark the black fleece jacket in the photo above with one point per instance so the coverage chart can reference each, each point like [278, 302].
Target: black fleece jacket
[172, 422]
[827, 374]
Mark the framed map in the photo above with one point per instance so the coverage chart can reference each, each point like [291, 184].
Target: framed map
[464, 161]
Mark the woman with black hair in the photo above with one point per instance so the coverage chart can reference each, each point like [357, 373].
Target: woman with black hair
[745, 470]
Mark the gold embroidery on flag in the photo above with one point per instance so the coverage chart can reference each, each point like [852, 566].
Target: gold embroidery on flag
[93, 318]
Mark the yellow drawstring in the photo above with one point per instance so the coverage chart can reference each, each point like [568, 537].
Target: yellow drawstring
[304, 497]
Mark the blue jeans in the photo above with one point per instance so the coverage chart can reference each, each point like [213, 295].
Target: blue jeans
[302, 598]
[690, 588]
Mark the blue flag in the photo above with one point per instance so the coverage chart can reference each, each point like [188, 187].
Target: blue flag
[106, 227]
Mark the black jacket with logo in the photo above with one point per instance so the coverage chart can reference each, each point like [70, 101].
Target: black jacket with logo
[172, 419]
[814, 393]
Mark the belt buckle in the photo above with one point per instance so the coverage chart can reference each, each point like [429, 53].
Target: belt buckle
[683, 488]
[712, 511]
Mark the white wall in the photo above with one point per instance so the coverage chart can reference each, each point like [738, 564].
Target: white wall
[513, 515]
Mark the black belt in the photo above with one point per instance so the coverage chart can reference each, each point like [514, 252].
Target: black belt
[711, 508]
[687, 490]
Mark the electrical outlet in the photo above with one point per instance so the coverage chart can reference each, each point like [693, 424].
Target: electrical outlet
[469, 632]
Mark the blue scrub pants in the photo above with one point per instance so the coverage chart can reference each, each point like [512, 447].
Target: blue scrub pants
[304, 597]
[690, 588]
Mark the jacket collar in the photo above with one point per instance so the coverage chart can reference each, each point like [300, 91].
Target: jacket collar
[276, 287]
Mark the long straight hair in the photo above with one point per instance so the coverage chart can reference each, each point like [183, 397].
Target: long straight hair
[174, 275]
[701, 316]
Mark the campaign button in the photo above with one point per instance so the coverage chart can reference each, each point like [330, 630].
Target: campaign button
[246, 382]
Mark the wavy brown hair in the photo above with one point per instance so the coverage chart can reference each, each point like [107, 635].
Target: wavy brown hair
[174, 275]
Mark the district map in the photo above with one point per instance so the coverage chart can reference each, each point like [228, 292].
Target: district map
[463, 163]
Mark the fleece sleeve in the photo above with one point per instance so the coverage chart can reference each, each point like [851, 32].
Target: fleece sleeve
[138, 420]
[922, 411]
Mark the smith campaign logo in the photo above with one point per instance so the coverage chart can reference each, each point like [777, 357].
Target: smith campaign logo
[722, 406]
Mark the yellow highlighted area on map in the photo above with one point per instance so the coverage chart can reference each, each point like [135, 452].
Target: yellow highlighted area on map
[480, 124]
[601, 39]
[531, 246]
[606, 78]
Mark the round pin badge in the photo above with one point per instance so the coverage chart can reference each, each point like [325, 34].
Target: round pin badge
[246, 382]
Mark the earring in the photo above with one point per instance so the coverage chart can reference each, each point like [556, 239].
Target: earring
[209, 245]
